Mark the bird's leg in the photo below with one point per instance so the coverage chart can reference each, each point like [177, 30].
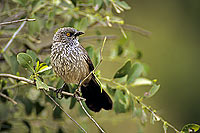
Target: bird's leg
[77, 92]
[60, 91]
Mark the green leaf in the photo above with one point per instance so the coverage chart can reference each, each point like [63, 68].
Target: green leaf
[165, 126]
[82, 24]
[38, 108]
[98, 4]
[90, 51]
[119, 103]
[190, 128]
[34, 27]
[57, 113]
[41, 85]
[153, 90]
[44, 68]
[110, 90]
[141, 81]
[135, 71]
[22, 2]
[96, 58]
[123, 4]
[14, 64]
[32, 54]
[25, 61]
[123, 70]
[72, 103]
[143, 117]
[27, 103]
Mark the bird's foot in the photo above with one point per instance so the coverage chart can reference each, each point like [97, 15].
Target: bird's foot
[59, 91]
[77, 94]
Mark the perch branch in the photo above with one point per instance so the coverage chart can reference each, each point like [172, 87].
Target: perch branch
[33, 83]
[8, 98]
[63, 110]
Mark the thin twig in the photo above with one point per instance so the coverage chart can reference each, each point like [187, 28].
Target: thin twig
[8, 98]
[91, 118]
[16, 32]
[33, 83]
[16, 21]
[140, 102]
[13, 36]
[64, 111]
[101, 59]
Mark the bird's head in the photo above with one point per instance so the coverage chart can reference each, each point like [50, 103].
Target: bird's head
[66, 34]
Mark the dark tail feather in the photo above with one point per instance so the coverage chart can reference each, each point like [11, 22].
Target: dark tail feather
[95, 99]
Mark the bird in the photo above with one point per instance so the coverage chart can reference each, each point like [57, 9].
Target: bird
[71, 62]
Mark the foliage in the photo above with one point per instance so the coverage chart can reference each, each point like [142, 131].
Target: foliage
[34, 64]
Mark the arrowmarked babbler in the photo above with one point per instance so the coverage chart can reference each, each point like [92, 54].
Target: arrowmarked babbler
[71, 62]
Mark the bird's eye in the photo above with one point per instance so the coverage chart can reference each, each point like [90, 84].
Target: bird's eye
[68, 34]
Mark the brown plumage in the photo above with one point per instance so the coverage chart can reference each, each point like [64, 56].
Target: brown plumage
[71, 62]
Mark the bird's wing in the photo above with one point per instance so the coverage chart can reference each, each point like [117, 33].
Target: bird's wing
[87, 59]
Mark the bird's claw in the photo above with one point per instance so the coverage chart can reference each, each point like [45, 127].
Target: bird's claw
[77, 94]
[59, 91]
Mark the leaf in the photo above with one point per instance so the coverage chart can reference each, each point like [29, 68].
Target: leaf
[153, 90]
[14, 64]
[27, 103]
[22, 2]
[123, 70]
[96, 58]
[165, 126]
[90, 51]
[143, 117]
[25, 61]
[34, 27]
[119, 103]
[26, 123]
[110, 90]
[98, 4]
[57, 113]
[72, 103]
[5, 126]
[41, 85]
[38, 108]
[123, 4]
[135, 71]
[44, 68]
[141, 81]
[32, 54]
[82, 25]
[190, 127]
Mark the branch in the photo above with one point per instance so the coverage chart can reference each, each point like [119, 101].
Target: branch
[140, 102]
[16, 32]
[33, 83]
[63, 110]
[91, 118]
[134, 28]
[8, 98]
[16, 21]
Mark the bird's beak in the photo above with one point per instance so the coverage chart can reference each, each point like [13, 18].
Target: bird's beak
[79, 33]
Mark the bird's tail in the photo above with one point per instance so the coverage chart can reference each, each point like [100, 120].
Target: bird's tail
[95, 98]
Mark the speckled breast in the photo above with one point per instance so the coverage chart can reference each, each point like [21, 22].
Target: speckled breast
[69, 62]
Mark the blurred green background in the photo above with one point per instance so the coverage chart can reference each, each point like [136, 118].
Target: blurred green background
[172, 52]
